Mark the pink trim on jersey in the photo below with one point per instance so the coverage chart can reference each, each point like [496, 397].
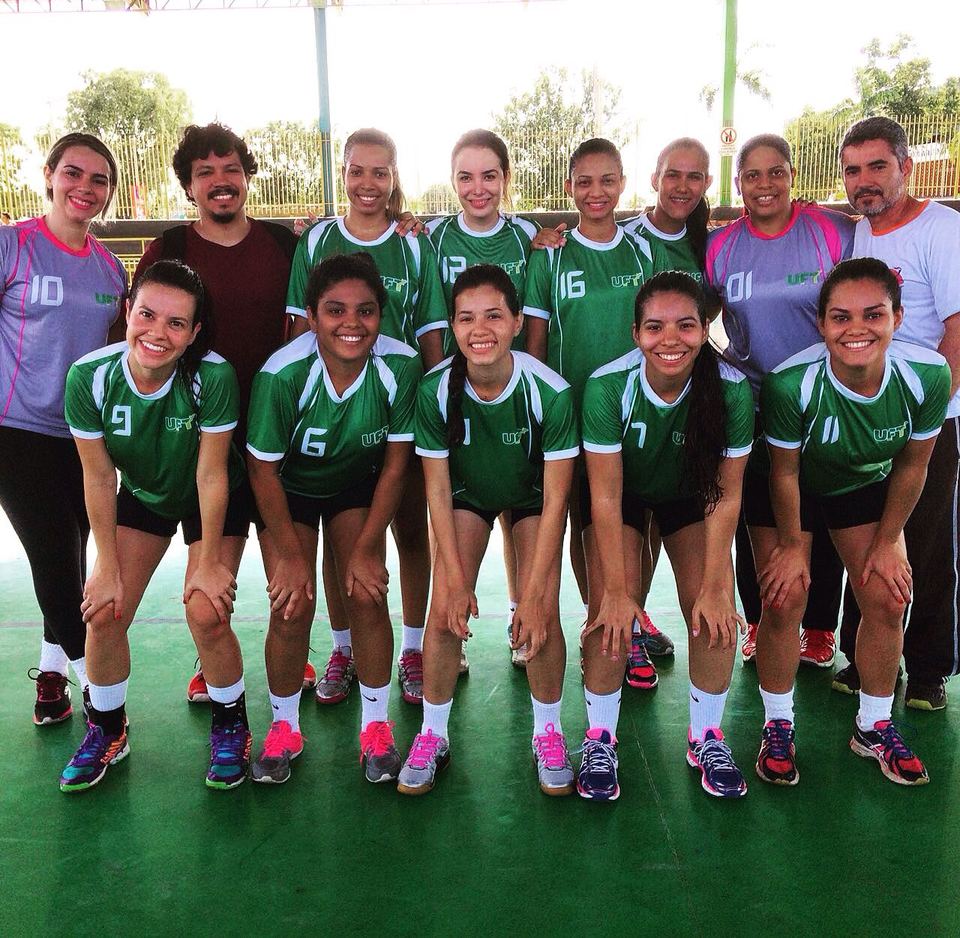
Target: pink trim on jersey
[82, 252]
[21, 239]
[794, 215]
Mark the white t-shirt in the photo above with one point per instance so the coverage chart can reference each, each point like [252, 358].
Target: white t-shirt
[926, 251]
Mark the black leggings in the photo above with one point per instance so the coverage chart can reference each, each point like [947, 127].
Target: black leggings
[41, 492]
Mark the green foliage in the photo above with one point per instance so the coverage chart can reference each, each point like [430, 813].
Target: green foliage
[16, 196]
[124, 103]
[290, 161]
[437, 199]
[542, 127]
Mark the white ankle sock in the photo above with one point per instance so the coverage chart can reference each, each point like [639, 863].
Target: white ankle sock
[52, 658]
[341, 638]
[777, 706]
[706, 711]
[287, 709]
[109, 696]
[373, 707]
[412, 639]
[436, 717]
[603, 710]
[80, 670]
[873, 710]
[226, 695]
[544, 713]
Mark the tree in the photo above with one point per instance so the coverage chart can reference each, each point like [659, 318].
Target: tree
[123, 103]
[437, 199]
[16, 196]
[543, 126]
[290, 174]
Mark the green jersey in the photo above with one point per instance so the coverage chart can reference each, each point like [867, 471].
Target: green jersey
[499, 465]
[153, 439]
[848, 441]
[586, 291]
[623, 414]
[676, 248]
[329, 442]
[408, 268]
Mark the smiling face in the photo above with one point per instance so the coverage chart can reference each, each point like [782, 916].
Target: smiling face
[368, 176]
[160, 327]
[764, 181]
[346, 322]
[596, 186]
[859, 324]
[79, 184]
[680, 183]
[480, 182]
[670, 335]
[874, 180]
[484, 326]
[218, 186]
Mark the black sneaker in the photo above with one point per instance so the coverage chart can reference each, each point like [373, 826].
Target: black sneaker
[921, 695]
[847, 680]
[53, 697]
[597, 778]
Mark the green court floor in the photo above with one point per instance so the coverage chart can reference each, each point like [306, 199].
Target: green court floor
[151, 851]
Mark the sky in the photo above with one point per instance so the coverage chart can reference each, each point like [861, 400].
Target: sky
[425, 73]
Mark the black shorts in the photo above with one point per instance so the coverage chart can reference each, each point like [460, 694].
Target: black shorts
[132, 513]
[310, 511]
[850, 510]
[758, 509]
[670, 516]
[516, 514]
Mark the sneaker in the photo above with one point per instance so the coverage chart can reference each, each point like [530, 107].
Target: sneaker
[309, 676]
[53, 697]
[282, 745]
[777, 761]
[428, 755]
[464, 666]
[657, 643]
[229, 755]
[748, 649]
[97, 752]
[817, 648]
[197, 688]
[640, 670]
[378, 755]
[518, 656]
[597, 778]
[847, 680]
[894, 756]
[337, 676]
[410, 675]
[719, 775]
[554, 771]
[920, 695]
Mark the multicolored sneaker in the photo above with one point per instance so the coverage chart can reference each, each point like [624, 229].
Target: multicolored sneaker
[657, 643]
[847, 680]
[410, 675]
[229, 755]
[53, 697]
[896, 759]
[817, 648]
[777, 760]
[597, 778]
[97, 752]
[554, 771]
[428, 755]
[719, 775]
[378, 754]
[640, 670]
[282, 745]
[197, 691]
[337, 676]
[748, 649]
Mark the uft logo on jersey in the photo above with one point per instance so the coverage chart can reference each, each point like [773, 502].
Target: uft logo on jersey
[812, 276]
[678, 437]
[886, 434]
[180, 423]
[627, 280]
[514, 437]
[375, 438]
[394, 284]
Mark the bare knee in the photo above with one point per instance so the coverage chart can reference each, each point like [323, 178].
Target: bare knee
[204, 622]
[105, 626]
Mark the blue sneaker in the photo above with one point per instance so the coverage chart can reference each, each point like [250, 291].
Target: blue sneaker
[597, 778]
[229, 755]
[97, 752]
[720, 776]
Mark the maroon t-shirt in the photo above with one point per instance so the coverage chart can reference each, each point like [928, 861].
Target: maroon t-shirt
[247, 284]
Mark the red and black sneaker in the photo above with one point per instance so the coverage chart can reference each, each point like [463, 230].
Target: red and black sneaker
[53, 697]
[896, 759]
[749, 647]
[640, 670]
[777, 761]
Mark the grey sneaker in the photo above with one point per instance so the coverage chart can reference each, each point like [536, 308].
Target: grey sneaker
[554, 771]
[337, 677]
[410, 675]
[518, 656]
[378, 754]
[657, 643]
[280, 748]
[428, 755]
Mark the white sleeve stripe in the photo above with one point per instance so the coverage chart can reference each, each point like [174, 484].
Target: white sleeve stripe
[432, 453]
[431, 327]
[86, 434]
[929, 435]
[536, 312]
[296, 311]
[220, 428]
[782, 444]
[399, 437]
[265, 457]
[602, 447]
[737, 452]
[561, 454]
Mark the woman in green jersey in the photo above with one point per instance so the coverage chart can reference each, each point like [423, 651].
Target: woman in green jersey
[329, 438]
[413, 312]
[667, 428]
[850, 425]
[497, 431]
[161, 409]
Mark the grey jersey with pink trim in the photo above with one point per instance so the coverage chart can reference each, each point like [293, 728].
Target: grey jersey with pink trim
[56, 305]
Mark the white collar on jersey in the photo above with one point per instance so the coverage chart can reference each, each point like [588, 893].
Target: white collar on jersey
[504, 394]
[348, 392]
[851, 395]
[156, 395]
[577, 235]
[343, 230]
[652, 395]
[501, 221]
[647, 222]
